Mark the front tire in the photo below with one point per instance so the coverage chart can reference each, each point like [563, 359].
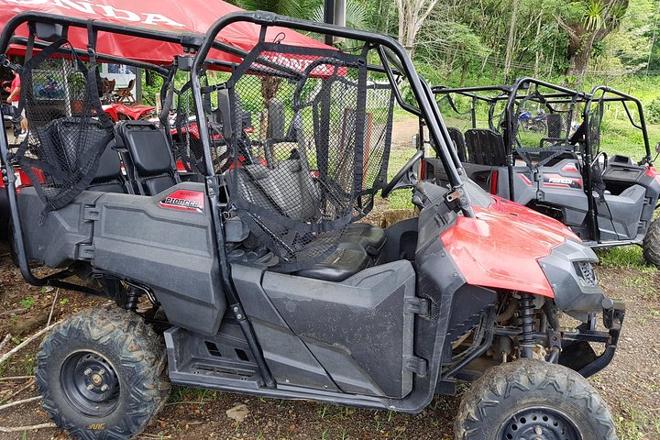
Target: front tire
[530, 399]
[100, 374]
[651, 243]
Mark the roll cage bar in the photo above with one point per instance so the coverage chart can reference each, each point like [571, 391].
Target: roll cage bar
[599, 94]
[191, 43]
[428, 109]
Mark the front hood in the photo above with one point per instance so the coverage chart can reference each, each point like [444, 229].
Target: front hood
[500, 247]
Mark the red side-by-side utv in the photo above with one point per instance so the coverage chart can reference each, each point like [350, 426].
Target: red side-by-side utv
[252, 273]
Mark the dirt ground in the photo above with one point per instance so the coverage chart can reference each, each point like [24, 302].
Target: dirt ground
[630, 385]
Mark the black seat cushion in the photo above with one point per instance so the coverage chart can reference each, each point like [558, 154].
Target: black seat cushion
[158, 184]
[148, 146]
[459, 141]
[108, 177]
[485, 147]
[347, 260]
[371, 238]
[149, 154]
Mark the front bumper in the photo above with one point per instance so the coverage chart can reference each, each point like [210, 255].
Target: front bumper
[576, 350]
[569, 271]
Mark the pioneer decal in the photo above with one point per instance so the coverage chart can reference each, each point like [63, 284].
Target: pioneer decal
[559, 181]
[184, 200]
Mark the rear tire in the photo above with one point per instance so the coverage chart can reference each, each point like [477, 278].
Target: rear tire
[651, 243]
[100, 374]
[532, 399]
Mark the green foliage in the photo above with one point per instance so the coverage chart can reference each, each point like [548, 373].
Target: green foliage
[151, 92]
[654, 111]
[27, 302]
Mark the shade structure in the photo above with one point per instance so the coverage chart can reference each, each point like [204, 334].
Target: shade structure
[178, 17]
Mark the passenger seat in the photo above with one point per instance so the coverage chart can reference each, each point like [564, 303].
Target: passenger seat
[347, 260]
[485, 147]
[148, 156]
[299, 199]
[108, 177]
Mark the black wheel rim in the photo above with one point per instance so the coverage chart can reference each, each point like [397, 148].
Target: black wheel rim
[90, 383]
[540, 424]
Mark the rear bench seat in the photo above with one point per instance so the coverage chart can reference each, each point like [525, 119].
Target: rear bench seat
[289, 190]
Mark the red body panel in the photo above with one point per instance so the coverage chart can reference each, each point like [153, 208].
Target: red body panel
[500, 246]
[133, 112]
[651, 172]
[23, 180]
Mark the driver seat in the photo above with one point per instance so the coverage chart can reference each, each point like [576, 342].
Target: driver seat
[360, 243]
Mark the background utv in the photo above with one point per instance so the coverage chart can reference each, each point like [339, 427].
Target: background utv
[250, 273]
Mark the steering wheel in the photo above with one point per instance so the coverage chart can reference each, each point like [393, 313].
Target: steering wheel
[401, 174]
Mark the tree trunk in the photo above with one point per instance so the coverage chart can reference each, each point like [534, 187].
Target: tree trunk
[537, 52]
[510, 42]
[464, 70]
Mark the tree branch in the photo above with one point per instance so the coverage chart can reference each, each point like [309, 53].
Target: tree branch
[27, 428]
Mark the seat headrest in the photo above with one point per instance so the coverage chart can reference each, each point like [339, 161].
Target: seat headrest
[109, 164]
[148, 147]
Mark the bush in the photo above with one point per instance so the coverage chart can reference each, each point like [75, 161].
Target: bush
[654, 111]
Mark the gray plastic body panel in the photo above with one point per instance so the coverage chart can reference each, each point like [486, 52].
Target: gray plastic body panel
[573, 295]
[288, 359]
[171, 251]
[619, 216]
[358, 329]
[57, 238]
[132, 237]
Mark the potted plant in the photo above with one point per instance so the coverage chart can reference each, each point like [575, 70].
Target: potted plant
[76, 92]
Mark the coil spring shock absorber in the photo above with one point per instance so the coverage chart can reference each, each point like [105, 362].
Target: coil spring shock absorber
[526, 311]
[132, 298]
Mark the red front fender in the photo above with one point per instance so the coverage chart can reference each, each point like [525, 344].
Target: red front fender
[500, 247]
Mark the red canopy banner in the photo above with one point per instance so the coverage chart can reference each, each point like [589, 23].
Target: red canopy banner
[178, 17]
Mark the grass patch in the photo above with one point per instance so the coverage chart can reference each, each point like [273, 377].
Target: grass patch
[402, 198]
[192, 395]
[625, 257]
[636, 425]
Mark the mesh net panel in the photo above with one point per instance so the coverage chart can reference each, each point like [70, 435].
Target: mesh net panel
[67, 129]
[309, 147]
[186, 142]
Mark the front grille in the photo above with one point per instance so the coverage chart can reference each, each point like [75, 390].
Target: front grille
[586, 272]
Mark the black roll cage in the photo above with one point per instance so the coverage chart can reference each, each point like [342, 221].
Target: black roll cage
[428, 108]
[428, 111]
[93, 27]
